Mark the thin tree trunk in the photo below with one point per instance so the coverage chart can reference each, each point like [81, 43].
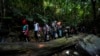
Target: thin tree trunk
[94, 9]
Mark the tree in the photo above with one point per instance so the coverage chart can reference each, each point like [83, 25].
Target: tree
[69, 11]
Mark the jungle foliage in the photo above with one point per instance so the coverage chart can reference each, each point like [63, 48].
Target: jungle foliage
[71, 12]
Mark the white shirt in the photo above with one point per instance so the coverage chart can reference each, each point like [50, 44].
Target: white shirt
[36, 27]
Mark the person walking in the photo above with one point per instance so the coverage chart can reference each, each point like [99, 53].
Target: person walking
[36, 29]
[25, 30]
[59, 28]
[46, 30]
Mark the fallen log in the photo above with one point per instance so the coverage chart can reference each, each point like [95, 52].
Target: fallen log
[41, 49]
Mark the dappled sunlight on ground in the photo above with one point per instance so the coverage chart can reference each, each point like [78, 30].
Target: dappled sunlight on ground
[41, 45]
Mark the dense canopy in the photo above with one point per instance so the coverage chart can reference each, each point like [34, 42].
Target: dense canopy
[71, 12]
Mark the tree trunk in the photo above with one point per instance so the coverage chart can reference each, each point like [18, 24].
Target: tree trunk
[94, 9]
[41, 49]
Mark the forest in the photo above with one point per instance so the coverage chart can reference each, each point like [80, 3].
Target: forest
[70, 12]
[74, 13]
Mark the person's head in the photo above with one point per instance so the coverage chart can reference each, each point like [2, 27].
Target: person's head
[34, 21]
[24, 21]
